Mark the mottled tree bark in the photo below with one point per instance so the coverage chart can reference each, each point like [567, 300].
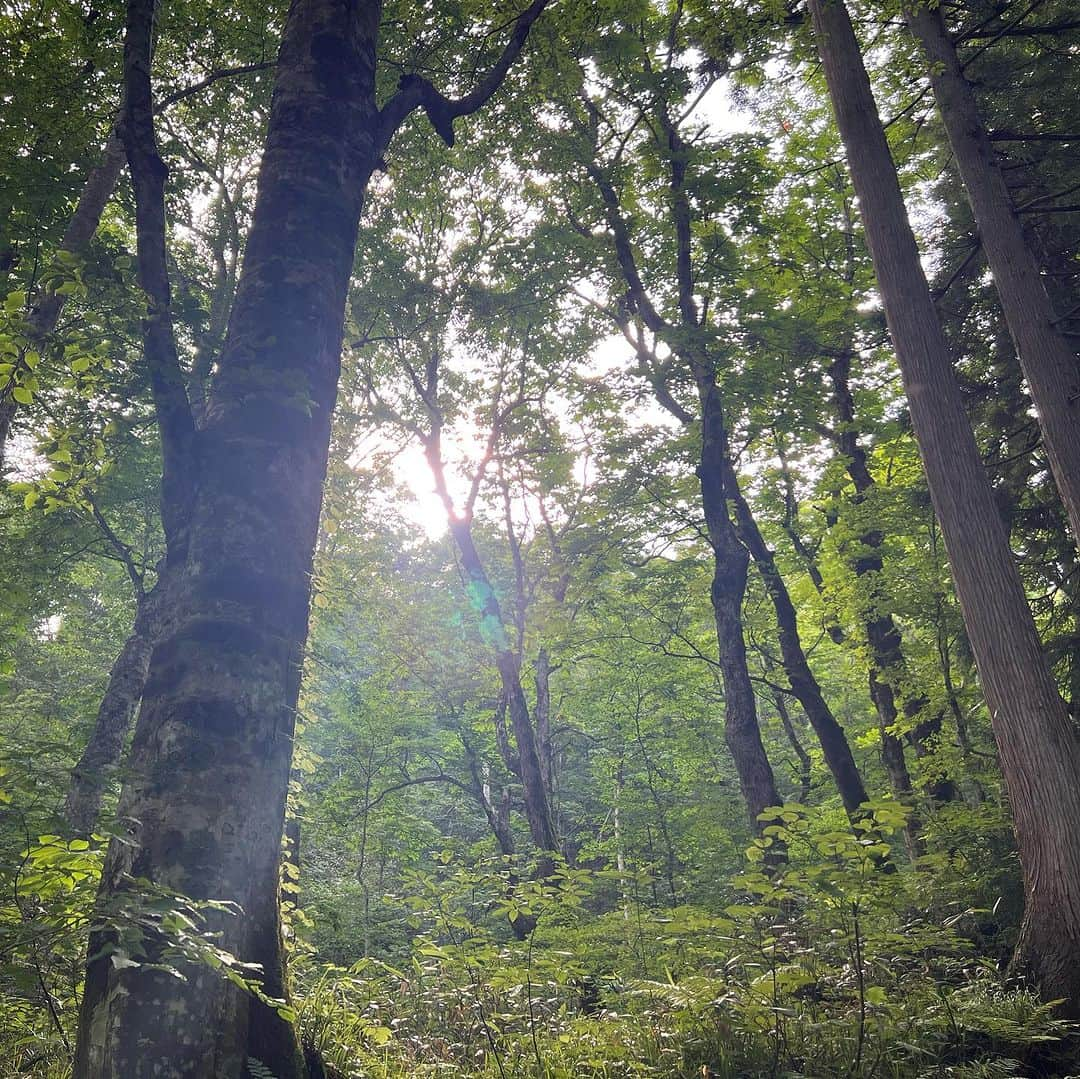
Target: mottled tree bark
[210, 761]
[1049, 363]
[1039, 752]
[211, 756]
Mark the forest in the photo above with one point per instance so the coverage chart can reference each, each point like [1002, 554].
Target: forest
[540, 539]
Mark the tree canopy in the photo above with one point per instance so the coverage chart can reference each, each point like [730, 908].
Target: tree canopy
[541, 539]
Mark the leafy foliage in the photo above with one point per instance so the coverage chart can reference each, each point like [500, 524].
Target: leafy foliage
[490, 332]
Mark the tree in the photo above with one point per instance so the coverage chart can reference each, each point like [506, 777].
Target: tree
[1040, 756]
[1049, 363]
[683, 328]
[240, 505]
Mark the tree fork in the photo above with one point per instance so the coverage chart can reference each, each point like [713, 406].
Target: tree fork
[804, 685]
[210, 761]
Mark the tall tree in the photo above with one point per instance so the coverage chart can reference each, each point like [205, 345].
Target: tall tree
[686, 336]
[1049, 363]
[1040, 755]
[240, 505]
[676, 310]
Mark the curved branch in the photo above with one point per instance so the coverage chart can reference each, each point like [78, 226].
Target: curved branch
[415, 91]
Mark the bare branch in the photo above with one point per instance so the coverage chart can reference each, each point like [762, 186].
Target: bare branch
[214, 76]
[415, 91]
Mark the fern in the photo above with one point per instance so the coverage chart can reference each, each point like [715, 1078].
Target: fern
[258, 1070]
[999, 1068]
[1016, 1017]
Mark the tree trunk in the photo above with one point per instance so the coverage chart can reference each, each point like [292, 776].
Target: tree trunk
[804, 685]
[730, 563]
[892, 749]
[498, 818]
[210, 761]
[1040, 755]
[730, 557]
[90, 778]
[493, 629]
[1049, 364]
[543, 719]
[96, 192]
[882, 635]
[801, 755]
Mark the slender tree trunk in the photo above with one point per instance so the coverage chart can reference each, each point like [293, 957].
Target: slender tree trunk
[543, 720]
[730, 558]
[96, 192]
[90, 778]
[730, 563]
[804, 685]
[211, 756]
[892, 749]
[482, 595]
[800, 753]
[1040, 755]
[670, 859]
[498, 818]
[208, 344]
[620, 852]
[502, 737]
[882, 635]
[1049, 363]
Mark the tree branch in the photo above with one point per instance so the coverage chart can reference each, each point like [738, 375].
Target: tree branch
[123, 550]
[415, 91]
[214, 76]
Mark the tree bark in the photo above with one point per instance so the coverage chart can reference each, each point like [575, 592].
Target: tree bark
[91, 776]
[211, 756]
[1039, 752]
[241, 497]
[804, 685]
[1049, 363]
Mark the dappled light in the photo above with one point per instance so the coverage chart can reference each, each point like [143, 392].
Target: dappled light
[540, 540]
